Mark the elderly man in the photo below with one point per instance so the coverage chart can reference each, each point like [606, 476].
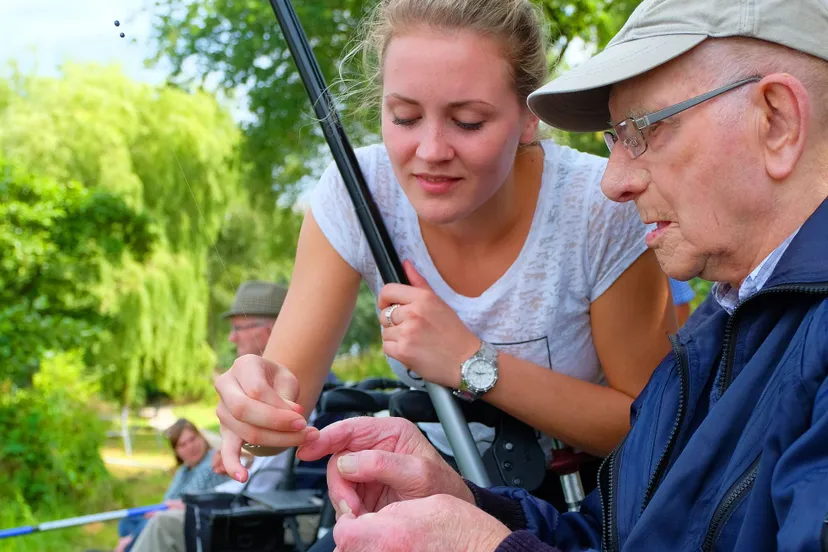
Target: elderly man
[252, 315]
[718, 113]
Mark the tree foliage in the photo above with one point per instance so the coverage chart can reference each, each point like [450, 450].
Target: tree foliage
[169, 155]
[55, 240]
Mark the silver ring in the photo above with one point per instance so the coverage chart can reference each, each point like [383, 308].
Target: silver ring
[388, 312]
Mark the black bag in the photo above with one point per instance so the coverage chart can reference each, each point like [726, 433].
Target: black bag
[226, 522]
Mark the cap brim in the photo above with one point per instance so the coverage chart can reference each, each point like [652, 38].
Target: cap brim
[577, 101]
[252, 312]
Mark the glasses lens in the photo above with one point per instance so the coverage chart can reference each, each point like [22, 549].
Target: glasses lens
[609, 139]
[631, 138]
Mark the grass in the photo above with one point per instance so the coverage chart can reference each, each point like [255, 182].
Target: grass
[140, 480]
[136, 486]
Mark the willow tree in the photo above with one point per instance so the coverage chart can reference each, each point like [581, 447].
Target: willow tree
[170, 155]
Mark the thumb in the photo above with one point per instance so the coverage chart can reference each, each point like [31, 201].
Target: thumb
[414, 277]
[400, 472]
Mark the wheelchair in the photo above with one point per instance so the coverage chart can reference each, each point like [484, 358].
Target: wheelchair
[221, 522]
[270, 521]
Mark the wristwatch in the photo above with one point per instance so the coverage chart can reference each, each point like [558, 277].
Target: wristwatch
[478, 374]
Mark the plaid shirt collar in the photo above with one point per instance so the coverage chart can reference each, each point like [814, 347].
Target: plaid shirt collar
[729, 298]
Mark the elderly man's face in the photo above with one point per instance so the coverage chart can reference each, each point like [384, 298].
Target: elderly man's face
[250, 334]
[693, 182]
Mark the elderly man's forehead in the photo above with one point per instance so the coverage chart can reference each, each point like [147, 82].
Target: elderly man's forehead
[650, 92]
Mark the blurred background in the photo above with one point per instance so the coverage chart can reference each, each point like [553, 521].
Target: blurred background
[142, 179]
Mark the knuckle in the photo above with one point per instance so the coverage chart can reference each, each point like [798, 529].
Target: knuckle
[237, 410]
[257, 390]
[252, 435]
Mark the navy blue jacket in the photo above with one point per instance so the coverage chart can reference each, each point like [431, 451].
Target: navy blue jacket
[728, 448]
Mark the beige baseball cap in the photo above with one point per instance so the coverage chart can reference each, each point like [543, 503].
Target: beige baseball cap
[661, 30]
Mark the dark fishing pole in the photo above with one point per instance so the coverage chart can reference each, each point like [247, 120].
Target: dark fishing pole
[389, 265]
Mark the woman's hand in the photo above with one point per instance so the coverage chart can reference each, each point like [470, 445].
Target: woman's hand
[256, 407]
[380, 461]
[426, 336]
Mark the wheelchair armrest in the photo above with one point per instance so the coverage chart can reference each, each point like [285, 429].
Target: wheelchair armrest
[380, 383]
[349, 399]
[415, 405]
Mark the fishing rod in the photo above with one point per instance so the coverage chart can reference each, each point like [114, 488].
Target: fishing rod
[81, 520]
[389, 265]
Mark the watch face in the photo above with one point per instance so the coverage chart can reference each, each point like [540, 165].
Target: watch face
[480, 375]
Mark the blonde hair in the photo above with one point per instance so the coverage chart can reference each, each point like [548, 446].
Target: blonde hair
[516, 24]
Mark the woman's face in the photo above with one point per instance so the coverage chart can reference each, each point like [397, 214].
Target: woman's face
[190, 447]
[451, 120]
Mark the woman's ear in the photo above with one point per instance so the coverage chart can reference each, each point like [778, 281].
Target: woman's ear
[529, 128]
[785, 110]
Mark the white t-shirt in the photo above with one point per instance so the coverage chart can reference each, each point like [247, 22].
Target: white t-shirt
[538, 310]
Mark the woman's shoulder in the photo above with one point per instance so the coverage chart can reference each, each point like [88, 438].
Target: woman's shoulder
[568, 157]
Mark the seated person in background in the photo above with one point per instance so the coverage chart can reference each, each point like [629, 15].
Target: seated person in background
[194, 474]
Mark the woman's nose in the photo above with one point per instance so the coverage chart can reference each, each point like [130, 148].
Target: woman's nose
[434, 148]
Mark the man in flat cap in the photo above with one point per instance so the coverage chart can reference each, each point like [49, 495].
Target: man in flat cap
[252, 315]
[716, 114]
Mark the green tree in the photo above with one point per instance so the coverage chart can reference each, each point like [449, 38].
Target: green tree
[170, 155]
[56, 238]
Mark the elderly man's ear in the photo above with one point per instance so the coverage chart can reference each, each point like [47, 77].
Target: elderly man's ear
[785, 109]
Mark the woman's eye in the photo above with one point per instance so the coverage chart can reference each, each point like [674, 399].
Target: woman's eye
[403, 122]
[469, 126]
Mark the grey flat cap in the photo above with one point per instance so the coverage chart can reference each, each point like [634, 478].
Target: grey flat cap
[257, 298]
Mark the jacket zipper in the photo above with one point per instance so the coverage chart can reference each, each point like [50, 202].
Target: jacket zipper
[681, 356]
[726, 375]
[607, 477]
[729, 503]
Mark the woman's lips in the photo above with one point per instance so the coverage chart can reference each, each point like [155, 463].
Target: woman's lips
[436, 185]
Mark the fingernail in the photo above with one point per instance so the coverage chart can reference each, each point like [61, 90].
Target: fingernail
[347, 464]
[298, 424]
[344, 508]
[239, 477]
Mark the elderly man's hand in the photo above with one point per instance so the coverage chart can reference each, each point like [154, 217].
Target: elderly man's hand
[379, 461]
[437, 523]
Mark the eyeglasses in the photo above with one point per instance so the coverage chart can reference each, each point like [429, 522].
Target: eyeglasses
[241, 327]
[629, 131]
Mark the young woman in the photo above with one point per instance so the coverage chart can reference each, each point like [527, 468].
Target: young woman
[508, 242]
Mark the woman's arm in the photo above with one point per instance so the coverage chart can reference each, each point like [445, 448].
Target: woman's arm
[315, 314]
[630, 323]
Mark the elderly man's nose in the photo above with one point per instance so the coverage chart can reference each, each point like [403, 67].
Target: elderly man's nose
[622, 182]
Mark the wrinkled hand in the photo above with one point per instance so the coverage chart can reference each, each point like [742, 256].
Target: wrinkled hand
[427, 336]
[436, 523]
[256, 406]
[380, 461]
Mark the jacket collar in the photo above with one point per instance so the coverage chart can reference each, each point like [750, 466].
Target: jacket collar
[806, 259]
